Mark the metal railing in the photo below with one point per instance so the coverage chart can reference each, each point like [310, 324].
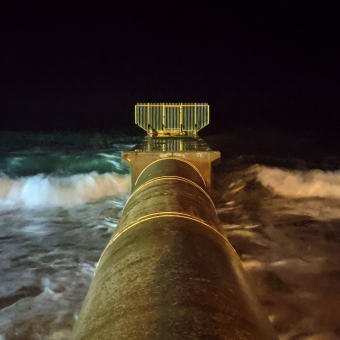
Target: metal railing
[172, 118]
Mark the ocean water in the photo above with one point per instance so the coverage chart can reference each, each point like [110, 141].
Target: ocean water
[59, 204]
[61, 196]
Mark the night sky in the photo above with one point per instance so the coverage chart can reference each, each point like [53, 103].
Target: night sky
[82, 65]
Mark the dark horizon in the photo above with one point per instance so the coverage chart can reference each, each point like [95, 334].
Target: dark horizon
[83, 67]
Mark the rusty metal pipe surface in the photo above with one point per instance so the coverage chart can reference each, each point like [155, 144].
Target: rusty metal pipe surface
[169, 272]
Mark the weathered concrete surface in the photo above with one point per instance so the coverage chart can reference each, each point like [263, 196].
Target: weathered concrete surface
[171, 278]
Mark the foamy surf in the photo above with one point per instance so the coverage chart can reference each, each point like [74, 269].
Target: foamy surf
[42, 191]
[312, 183]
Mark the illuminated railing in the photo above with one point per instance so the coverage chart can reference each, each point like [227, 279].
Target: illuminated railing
[172, 118]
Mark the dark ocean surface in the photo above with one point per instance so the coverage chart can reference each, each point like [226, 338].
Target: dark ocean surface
[61, 195]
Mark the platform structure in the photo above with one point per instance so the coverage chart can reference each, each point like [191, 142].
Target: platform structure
[172, 133]
[168, 271]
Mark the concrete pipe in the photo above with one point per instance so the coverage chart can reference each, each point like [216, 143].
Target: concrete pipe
[169, 272]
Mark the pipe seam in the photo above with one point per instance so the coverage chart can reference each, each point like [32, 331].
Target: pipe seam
[173, 158]
[178, 178]
[161, 215]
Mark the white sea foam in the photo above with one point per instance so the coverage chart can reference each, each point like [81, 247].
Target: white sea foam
[313, 183]
[46, 191]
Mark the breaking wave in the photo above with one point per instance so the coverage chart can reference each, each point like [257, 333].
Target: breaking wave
[48, 191]
[313, 183]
